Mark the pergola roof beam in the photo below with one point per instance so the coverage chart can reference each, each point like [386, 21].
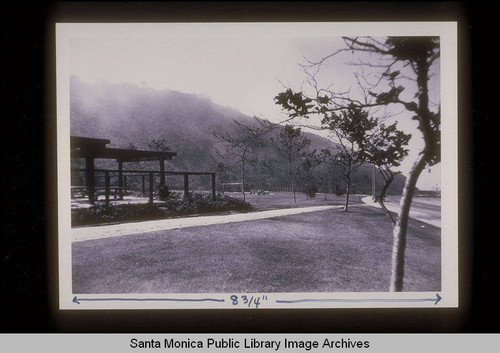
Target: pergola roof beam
[83, 147]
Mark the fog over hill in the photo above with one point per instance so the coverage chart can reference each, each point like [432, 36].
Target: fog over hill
[132, 115]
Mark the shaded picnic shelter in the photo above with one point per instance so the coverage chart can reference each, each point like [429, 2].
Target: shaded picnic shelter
[91, 149]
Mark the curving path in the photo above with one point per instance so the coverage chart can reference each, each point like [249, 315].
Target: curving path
[116, 230]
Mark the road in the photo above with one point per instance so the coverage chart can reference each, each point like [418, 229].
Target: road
[425, 209]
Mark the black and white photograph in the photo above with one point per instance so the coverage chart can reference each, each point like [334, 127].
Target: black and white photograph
[257, 165]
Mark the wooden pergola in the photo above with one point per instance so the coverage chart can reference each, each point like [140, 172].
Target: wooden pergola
[92, 148]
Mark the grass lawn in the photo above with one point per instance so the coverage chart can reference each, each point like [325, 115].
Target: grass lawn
[324, 251]
[284, 199]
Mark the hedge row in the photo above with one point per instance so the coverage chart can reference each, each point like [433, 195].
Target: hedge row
[174, 205]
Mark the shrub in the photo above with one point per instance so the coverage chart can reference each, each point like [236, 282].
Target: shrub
[174, 205]
[311, 191]
[103, 214]
[163, 192]
[339, 191]
[203, 203]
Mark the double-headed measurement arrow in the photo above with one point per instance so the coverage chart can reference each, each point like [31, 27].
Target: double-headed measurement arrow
[77, 300]
[368, 300]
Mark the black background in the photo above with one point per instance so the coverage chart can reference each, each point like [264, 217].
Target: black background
[29, 282]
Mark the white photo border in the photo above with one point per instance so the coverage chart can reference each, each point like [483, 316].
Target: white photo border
[446, 298]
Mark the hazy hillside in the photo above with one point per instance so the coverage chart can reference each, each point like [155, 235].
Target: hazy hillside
[128, 114]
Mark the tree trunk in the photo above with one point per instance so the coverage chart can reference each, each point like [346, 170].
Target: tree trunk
[431, 147]
[401, 226]
[243, 179]
[348, 191]
[381, 197]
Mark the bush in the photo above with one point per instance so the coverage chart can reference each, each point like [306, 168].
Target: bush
[103, 214]
[163, 192]
[203, 203]
[174, 205]
[339, 191]
[311, 191]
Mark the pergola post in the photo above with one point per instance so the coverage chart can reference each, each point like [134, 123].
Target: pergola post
[213, 186]
[162, 171]
[150, 188]
[106, 186]
[186, 184]
[120, 177]
[143, 185]
[90, 178]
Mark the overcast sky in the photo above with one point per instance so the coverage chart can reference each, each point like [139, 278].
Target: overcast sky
[244, 70]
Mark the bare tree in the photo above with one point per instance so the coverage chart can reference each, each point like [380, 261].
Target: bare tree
[292, 146]
[242, 145]
[328, 170]
[222, 172]
[307, 173]
[159, 144]
[264, 167]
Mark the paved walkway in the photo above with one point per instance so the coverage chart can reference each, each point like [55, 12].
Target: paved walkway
[116, 230]
[427, 212]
